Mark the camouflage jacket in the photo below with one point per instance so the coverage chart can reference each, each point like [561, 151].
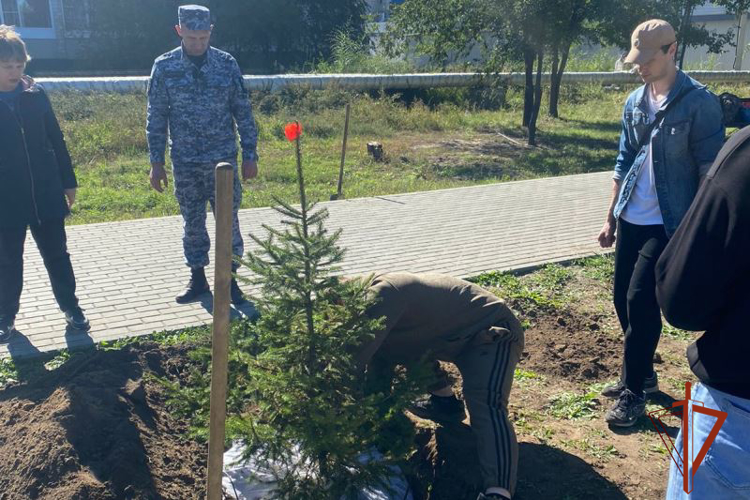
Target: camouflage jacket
[199, 107]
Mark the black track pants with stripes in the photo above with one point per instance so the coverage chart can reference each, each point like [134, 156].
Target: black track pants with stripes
[487, 366]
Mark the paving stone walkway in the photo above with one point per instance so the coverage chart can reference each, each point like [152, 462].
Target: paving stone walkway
[129, 272]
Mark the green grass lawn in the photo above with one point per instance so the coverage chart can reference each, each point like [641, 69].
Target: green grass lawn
[447, 144]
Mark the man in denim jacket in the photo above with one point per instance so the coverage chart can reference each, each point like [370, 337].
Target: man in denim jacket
[653, 189]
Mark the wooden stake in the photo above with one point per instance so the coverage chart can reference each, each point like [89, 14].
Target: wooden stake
[220, 343]
[339, 194]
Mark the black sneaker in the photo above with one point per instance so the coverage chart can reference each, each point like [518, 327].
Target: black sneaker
[7, 329]
[492, 496]
[627, 410]
[237, 296]
[197, 286]
[439, 408]
[77, 320]
[650, 386]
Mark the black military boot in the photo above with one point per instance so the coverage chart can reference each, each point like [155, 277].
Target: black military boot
[197, 286]
[238, 297]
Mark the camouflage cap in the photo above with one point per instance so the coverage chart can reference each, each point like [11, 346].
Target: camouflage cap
[194, 17]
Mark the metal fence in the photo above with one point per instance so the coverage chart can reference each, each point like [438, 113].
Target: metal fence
[275, 83]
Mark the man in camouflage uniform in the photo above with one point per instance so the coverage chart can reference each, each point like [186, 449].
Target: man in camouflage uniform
[197, 93]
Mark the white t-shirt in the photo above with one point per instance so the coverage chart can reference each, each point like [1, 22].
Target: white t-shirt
[643, 207]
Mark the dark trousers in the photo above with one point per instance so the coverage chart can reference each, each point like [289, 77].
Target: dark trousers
[638, 249]
[486, 363]
[487, 368]
[52, 243]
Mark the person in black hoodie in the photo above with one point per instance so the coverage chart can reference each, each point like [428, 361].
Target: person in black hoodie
[37, 188]
[702, 285]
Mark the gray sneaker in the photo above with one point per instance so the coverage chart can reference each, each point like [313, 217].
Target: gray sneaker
[650, 386]
[627, 410]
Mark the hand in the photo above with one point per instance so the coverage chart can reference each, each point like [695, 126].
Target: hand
[249, 169]
[445, 392]
[158, 176]
[607, 236]
[70, 194]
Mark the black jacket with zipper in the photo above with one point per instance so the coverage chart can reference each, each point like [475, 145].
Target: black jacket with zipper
[703, 274]
[35, 166]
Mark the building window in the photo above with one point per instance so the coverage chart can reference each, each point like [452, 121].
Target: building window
[27, 13]
[76, 15]
[11, 16]
[35, 13]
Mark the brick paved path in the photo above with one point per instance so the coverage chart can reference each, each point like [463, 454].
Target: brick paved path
[129, 272]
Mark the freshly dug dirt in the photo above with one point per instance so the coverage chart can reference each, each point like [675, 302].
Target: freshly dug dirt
[96, 428]
[573, 348]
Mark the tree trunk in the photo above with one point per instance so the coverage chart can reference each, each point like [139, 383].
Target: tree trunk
[554, 95]
[537, 98]
[683, 49]
[564, 60]
[739, 49]
[554, 83]
[684, 22]
[528, 98]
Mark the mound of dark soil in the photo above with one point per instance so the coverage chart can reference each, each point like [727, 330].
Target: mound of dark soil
[571, 347]
[97, 428]
[446, 466]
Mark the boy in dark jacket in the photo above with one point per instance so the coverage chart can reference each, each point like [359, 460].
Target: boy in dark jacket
[37, 188]
[458, 322]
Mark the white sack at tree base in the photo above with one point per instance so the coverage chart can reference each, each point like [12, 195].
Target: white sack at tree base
[254, 480]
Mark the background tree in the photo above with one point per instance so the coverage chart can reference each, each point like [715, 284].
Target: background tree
[123, 38]
[509, 33]
[264, 35]
[444, 30]
[284, 35]
[535, 35]
[622, 17]
[565, 31]
[738, 9]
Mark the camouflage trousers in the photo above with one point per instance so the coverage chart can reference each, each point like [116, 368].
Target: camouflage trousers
[194, 186]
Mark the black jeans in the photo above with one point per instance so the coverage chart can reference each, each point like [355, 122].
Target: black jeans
[638, 249]
[52, 243]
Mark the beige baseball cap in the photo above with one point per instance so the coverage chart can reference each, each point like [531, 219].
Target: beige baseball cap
[648, 39]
